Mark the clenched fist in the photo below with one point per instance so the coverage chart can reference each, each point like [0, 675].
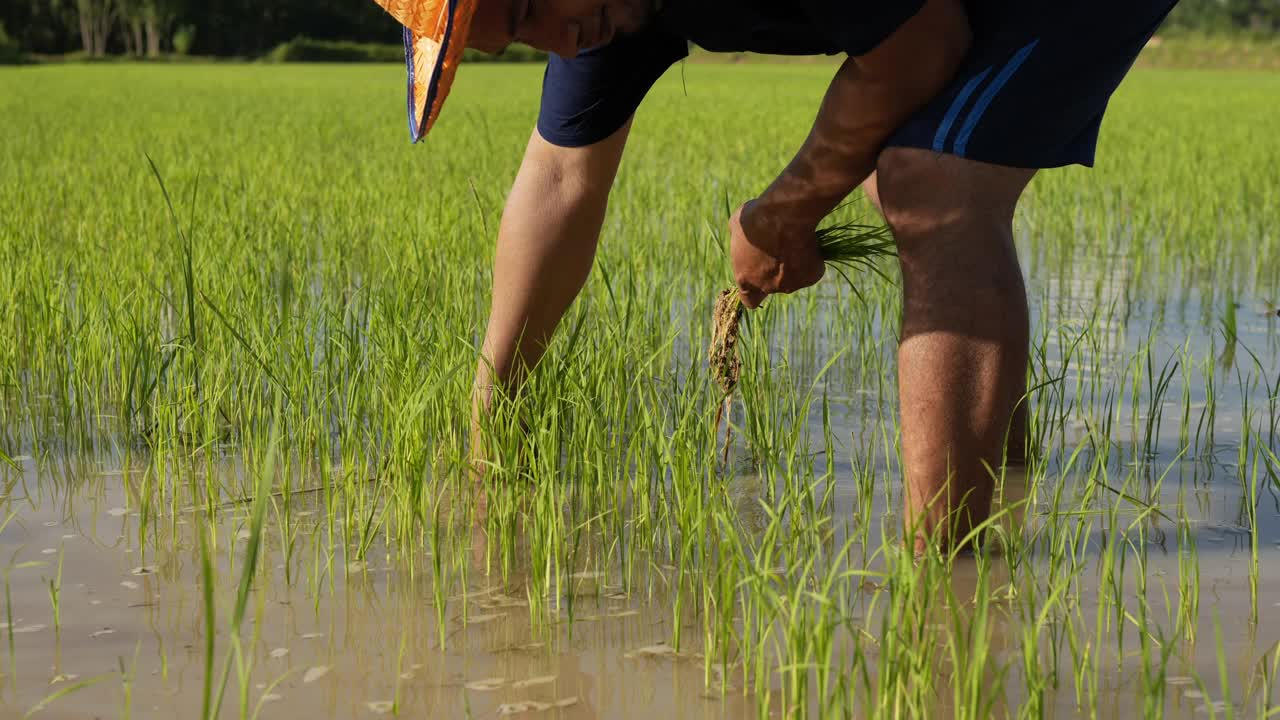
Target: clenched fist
[772, 253]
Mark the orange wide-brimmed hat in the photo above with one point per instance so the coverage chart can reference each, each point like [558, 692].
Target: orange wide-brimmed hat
[435, 35]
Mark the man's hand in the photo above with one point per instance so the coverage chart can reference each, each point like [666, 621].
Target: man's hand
[773, 246]
[772, 252]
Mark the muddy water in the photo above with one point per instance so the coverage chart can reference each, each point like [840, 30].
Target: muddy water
[365, 643]
[339, 639]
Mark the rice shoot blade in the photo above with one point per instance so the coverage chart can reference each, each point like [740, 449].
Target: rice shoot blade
[845, 247]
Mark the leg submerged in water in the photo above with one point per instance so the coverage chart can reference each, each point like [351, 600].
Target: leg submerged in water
[963, 354]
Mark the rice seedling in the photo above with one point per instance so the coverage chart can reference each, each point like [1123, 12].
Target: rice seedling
[265, 355]
[128, 675]
[10, 627]
[55, 592]
[65, 691]
[845, 247]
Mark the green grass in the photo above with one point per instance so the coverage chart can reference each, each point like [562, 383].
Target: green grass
[308, 302]
[1240, 51]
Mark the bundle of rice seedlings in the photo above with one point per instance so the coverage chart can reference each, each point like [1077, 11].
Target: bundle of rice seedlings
[845, 248]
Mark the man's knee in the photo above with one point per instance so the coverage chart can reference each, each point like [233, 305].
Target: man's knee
[871, 190]
[922, 193]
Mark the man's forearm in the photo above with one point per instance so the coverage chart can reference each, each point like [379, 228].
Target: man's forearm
[540, 267]
[869, 98]
[839, 153]
[546, 245]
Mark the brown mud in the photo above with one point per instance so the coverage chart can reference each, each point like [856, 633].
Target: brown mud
[722, 356]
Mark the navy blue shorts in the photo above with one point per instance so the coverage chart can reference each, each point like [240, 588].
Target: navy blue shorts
[1036, 83]
[1031, 92]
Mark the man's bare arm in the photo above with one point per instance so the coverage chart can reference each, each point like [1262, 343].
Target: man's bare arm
[869, 98]
[773, 246]
[546, 246]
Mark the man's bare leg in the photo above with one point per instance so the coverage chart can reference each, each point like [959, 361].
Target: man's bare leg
[1016, 448]
[965, 330]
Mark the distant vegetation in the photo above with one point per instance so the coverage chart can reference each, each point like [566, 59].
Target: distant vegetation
[305, 49]
[1226, 16]
[1237, 51]
[350, 31]
[9, 50]
[265, 396]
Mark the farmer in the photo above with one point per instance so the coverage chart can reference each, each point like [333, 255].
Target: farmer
[942, 112]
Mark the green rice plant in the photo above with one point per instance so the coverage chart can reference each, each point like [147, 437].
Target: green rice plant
[188, 274]
[1268, 665]
[346, 318]
[845, 247]
[207, 583]
[65, 691]
[213, 690]
[267, 691]
[127, 677]
[9, 628]
[1224, 674]
[1157, 387]
[55, 592]
[1230, 337]
[1249, 481]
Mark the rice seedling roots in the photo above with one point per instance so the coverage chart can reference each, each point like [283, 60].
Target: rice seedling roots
[726, 325]
[844, 247]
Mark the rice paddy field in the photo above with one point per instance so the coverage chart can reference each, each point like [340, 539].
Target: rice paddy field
[234, 416]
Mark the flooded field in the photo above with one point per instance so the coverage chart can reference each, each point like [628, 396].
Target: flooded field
[234, 426]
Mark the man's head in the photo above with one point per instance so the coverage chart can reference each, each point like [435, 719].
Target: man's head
[437, 31]
[563, 27]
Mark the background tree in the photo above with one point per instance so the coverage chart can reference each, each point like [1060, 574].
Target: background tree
[251, 28]
[157, 22]
[95, 19]
[131, 26]
[1226, 15]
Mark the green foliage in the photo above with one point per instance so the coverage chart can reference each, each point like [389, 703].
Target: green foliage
[1193, 49]
[305, 323]
[10, 53]
[235, 28]
[250, 29]
[1219, 16]
[184, 39]
[305, 49]
[514, 52]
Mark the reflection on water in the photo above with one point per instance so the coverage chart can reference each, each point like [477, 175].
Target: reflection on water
[358, 639]
[362, 641]
[339, 637]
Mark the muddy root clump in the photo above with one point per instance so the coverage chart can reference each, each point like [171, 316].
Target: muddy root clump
[722, 356]
[726, 323]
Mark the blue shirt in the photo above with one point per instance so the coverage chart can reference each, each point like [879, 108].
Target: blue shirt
[586, 98]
